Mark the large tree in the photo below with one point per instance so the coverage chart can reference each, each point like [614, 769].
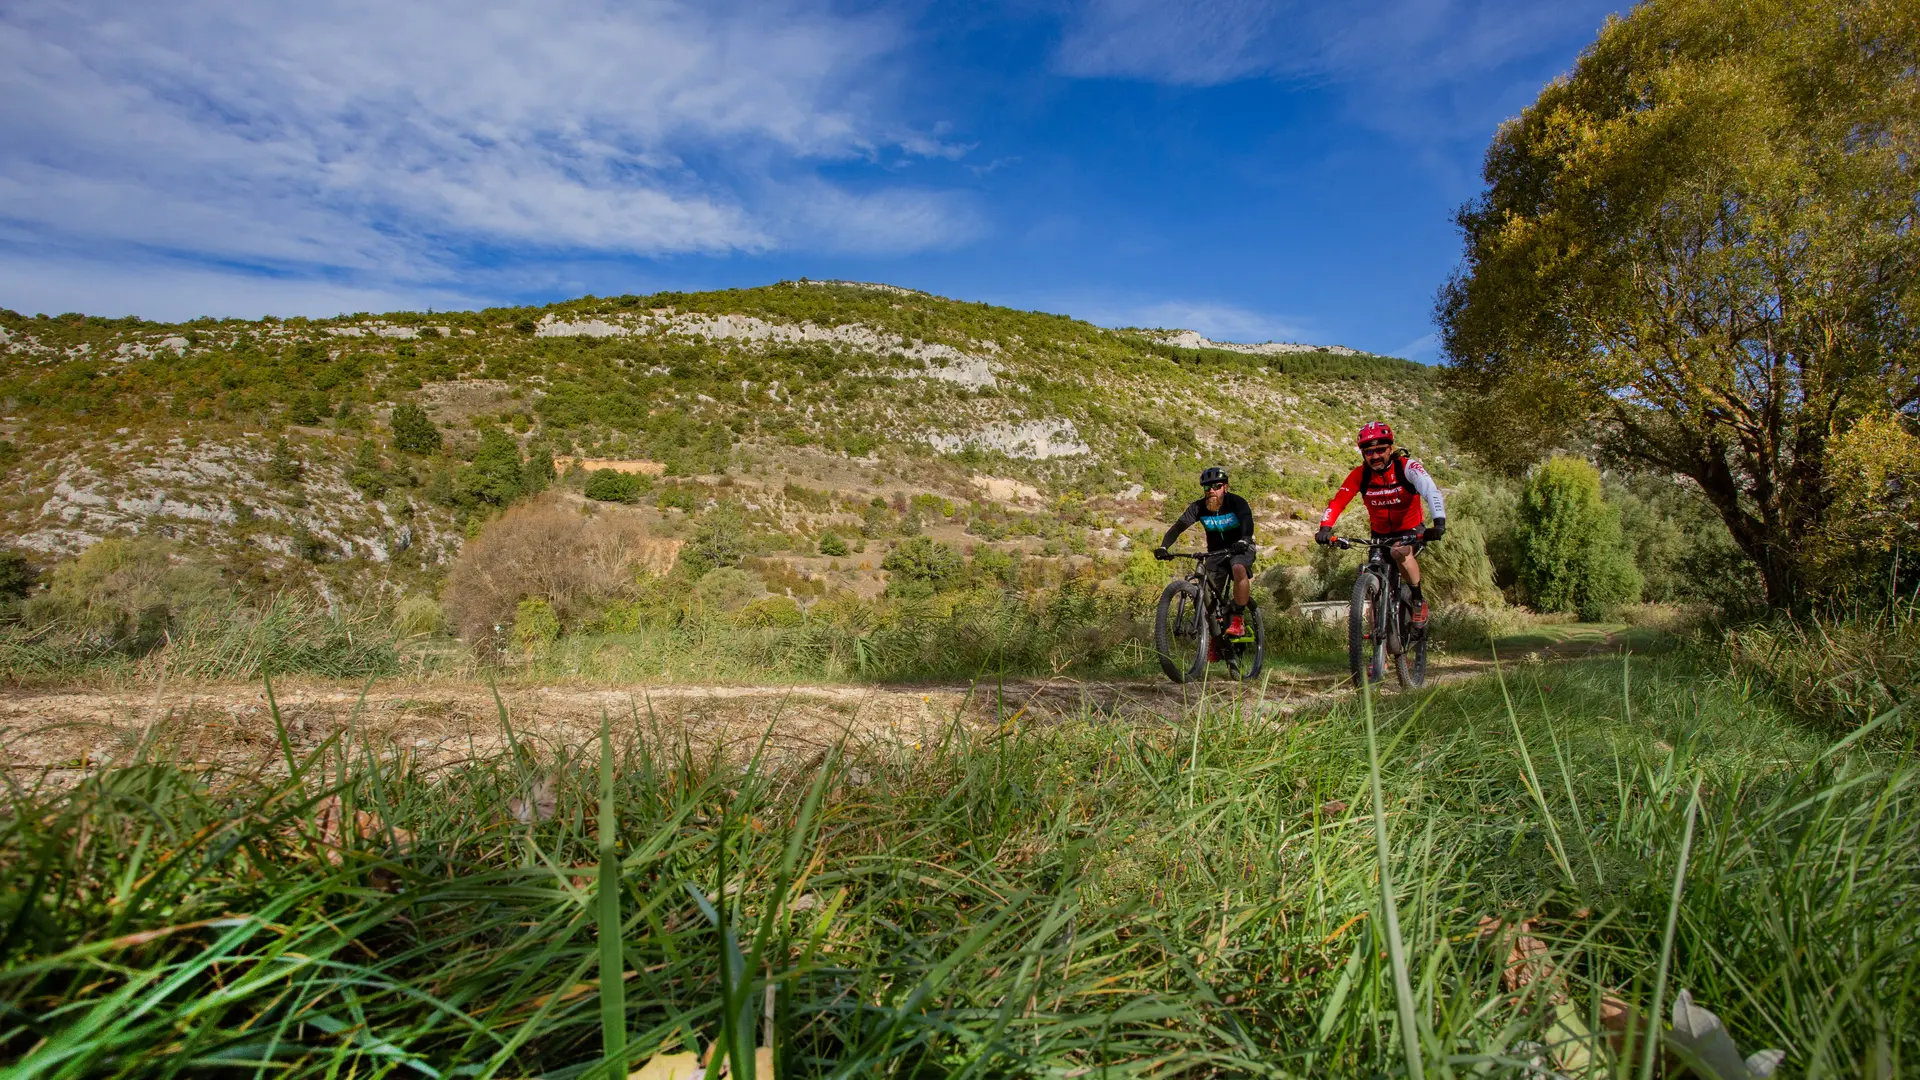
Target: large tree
[1699, 252]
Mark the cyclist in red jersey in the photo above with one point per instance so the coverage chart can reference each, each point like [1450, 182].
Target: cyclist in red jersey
[1393, 486]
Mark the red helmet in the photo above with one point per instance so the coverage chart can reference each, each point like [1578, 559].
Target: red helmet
[1373, 431]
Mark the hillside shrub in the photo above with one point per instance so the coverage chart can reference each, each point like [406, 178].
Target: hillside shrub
[831, 544]
[18, 576]
[922, 566]
[728, 588]
[720, 540]
[418, 615]
[413, 430]
[540, 549]
[535, 626]
[368, 476]
[1573, 557]
[607, 485]
[495, 476]
[126, 591]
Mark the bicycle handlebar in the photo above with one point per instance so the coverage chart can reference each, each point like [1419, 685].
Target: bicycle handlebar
[1413, 540]
[1195, 556]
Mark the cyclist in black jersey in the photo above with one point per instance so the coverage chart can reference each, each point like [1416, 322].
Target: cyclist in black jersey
[1228, 522]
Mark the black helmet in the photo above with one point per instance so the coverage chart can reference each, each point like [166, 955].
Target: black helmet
[1213, 474]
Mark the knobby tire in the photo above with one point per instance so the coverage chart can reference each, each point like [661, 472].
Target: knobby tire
[1366, 656]
[1169, 639]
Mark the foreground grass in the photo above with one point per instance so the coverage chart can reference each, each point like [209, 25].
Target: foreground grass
[1194, 898]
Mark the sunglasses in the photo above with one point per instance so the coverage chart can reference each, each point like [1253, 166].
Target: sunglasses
[1215, 487]
[1376, 447]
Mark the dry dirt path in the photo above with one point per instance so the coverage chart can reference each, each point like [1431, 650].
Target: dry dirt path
[53, 735]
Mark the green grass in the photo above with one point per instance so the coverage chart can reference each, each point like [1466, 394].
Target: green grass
[1193, 897]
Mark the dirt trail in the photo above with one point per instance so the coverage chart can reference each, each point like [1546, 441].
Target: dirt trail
[54, 735]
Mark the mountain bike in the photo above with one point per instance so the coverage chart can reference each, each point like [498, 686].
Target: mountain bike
[1380, 616]
[1190, 625]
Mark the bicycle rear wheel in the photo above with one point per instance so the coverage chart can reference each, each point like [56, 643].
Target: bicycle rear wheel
[1180, 632]
[1411, 664]
[1254, 652]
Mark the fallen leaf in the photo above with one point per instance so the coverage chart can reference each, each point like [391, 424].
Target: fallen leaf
[665, 1066]
[1569, 1041]
[1528, 961]
[1332, 808]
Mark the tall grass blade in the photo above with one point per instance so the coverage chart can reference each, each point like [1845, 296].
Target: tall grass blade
[613, 987]
[1390, 910]
[1666, 939]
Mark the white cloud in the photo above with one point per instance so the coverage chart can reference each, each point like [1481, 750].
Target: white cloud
[169, 291]
[380, 140]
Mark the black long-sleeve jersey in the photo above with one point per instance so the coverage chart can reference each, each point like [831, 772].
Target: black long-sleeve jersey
[1232, 522]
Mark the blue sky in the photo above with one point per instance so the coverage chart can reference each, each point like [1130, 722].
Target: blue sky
[1254, 171]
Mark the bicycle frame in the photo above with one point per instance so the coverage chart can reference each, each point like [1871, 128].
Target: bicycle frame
[1390, 617]
[1210, 574]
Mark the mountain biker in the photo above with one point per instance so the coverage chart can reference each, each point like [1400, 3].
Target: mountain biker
[1228, 522]
[1393, 485]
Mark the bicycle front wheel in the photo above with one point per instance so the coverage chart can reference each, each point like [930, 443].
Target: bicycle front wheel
[1366, 648]
[1180, 632]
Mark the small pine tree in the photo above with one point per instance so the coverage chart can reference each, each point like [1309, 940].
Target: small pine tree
[283, 467]
[537, 475]
[1572, 554]
[831, 544]
[413, 430]
[307, 408]
[368, 475]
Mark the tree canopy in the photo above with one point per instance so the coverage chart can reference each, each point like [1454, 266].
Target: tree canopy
[1699, 250]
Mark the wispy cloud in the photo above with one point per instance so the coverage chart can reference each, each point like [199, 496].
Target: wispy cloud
[1214, 319]
[171, 291]
[1414, 63]
[374, 142]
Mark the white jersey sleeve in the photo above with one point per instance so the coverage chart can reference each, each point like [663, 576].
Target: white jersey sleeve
[1422, 481]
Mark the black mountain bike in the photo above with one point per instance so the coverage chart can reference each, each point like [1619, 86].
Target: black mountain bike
[1190, 626]
[1380, 617]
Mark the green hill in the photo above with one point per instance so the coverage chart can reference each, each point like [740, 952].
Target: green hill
[270, 444]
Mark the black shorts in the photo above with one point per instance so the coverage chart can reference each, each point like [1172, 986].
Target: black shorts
[1244, 558]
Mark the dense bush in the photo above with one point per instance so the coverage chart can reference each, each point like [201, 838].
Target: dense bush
[413, 431]
[577, 564]
[127, 591]
[1573, 557]
[831, 544]
[608, 485]
[496, 476]
[1844, 670]
[18, 576]
[921, 566]
[1457, 570]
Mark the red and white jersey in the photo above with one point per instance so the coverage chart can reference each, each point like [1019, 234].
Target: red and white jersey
[1393, 497]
